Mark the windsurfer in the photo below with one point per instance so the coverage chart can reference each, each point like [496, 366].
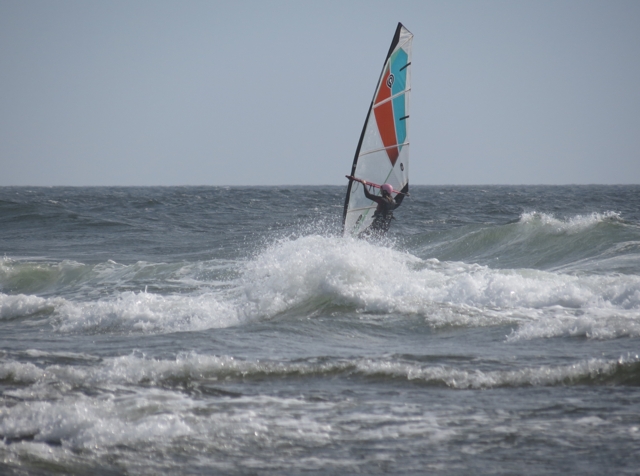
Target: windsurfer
[384, 212]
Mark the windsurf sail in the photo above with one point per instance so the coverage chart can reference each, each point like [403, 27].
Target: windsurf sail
[382, 155]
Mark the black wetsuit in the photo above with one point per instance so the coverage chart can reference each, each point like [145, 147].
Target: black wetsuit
[384, 212]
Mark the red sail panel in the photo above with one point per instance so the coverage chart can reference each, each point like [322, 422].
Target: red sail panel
[384, 119]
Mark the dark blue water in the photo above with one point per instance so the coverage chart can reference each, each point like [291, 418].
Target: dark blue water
[210, 330]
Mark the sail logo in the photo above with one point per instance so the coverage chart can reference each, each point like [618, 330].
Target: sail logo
[390, 80]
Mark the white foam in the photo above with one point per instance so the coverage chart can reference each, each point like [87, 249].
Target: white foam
[12, 306]
[383, 280]
[461, 379]
[135, 369]
[574, 224]
[292, 272]
[142, 416]
[147, 312]
[116, 372]
[21, 372]
[596, 324]
[81, 422]
[129, 409]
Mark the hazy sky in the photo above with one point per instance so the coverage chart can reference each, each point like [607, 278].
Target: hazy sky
[276, 92]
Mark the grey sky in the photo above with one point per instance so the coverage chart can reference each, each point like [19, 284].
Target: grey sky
[276, 92]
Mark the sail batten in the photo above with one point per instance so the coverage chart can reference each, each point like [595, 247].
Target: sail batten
[382, 148]
[384, 139]
[391, 98]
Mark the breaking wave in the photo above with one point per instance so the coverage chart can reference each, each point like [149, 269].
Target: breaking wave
[314, 274]
[191, 368]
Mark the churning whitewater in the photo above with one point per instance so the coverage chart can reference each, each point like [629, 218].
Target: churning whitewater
[493, 330]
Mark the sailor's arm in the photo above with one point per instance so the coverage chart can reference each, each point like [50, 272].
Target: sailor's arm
[367, 194]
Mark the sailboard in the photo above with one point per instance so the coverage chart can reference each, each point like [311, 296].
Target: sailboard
[382, 154]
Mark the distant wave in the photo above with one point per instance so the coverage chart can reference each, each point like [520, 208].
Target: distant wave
[574, 224]
[540, 241]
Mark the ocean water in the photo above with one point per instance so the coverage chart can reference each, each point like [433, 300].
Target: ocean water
[232, 330]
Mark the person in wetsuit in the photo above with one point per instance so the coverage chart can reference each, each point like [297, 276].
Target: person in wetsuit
[384, 212]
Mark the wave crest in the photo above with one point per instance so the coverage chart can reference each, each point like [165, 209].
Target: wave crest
[189, 368]
[574, 224]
